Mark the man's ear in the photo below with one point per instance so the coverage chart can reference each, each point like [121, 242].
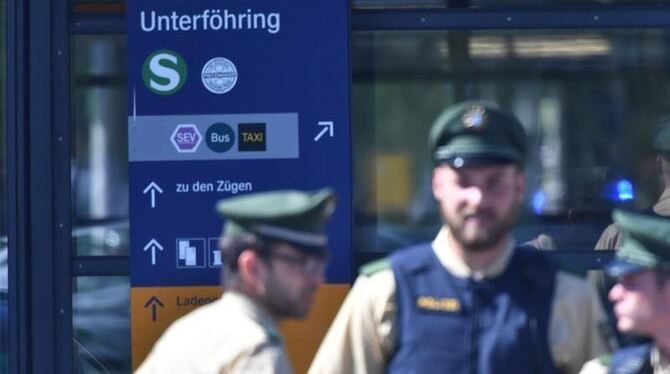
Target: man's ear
[250, 269]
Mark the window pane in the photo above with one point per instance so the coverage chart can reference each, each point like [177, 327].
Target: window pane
[100, 150]
[590, 101]
[101, 318]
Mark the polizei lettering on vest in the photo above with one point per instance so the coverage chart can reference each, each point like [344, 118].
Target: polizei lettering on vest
[210, 19]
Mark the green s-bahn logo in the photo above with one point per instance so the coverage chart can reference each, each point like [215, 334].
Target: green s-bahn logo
[164, 72]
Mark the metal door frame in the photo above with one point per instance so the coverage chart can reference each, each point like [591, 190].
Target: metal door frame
[39, 243]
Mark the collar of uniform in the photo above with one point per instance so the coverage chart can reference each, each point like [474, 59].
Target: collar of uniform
[662, 207]
[242, 303]
[659, 361]
[456, 266]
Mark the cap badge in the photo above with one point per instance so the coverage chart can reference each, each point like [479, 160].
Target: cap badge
[475, 118]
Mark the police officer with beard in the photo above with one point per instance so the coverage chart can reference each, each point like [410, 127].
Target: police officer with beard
[471, 301]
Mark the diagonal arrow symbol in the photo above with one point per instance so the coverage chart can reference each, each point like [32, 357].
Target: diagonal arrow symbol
[328, 127]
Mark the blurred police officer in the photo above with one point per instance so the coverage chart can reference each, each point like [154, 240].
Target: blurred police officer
[611, 238]
[274, 250]
[470, 301]
[641, 295]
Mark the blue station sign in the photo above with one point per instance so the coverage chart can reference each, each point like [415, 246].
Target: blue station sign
[227, 98]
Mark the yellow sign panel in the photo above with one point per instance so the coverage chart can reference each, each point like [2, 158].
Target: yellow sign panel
[153, 309]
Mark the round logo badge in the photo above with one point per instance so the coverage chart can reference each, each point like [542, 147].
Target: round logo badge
[164, 72]
[220, 137]
[475, 118]
[219, 75]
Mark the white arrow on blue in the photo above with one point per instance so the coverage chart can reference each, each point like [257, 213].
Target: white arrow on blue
[328, 127]
[153, 188]
[153, 245]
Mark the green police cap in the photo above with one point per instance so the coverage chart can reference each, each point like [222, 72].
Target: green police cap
[477, 133]
[296, 217]
[662, 138]
[646, 243]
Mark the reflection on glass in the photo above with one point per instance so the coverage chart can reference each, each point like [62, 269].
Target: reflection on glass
[589, 99]
[99, 155]
[101, 318]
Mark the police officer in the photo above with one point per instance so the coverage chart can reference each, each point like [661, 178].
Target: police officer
[641, 295]
[274, 250]
[611, 238]
[471, 301]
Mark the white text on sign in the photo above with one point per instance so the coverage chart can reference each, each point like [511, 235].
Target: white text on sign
[217, 186]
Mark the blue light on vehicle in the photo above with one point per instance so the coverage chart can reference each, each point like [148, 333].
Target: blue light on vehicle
[624, 190]
[539, 200]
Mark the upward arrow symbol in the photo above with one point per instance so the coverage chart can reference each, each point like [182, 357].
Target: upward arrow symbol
[153, 301]
[153, 245]
[153, 188]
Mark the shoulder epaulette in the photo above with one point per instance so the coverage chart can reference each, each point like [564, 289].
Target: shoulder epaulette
[375, 266]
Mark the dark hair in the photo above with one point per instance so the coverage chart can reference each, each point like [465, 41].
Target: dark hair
[232, 247]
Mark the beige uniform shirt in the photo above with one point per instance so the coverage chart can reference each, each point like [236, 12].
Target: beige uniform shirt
[230, 335]
[659, 363]
[361, 339]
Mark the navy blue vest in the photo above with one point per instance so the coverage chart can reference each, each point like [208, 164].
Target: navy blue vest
[632, 360]
[447, 324]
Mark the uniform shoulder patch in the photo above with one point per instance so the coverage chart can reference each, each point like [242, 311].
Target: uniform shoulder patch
[375, 266]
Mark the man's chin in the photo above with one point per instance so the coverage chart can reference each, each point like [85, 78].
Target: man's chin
[302, 312]
[305, 306]
[477, 224]
[478, 247]
[479, 243]
[294, 313]
[628, 326]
